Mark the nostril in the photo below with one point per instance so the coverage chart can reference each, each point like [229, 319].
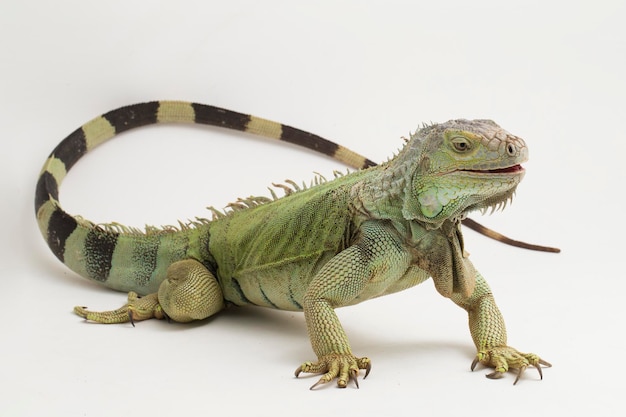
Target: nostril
[511, 149]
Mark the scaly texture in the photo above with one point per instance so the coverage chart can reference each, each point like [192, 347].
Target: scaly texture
[337, 243]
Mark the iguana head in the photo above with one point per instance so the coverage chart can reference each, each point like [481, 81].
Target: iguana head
[460, 166]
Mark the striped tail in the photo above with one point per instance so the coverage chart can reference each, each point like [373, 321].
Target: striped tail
[126, 259]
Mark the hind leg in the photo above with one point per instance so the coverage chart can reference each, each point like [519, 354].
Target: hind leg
[189, 292]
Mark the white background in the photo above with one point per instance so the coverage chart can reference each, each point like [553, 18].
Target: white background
[360, 73]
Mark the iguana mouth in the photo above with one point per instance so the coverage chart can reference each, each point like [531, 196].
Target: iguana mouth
[508, 170]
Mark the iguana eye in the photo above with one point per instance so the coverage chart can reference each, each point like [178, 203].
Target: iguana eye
[461, 144]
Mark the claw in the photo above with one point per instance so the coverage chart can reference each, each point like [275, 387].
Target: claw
[495, 375]
[505, 358]
[474, 363]
[545, 363]
[520, 372]
[343, 368]
[354, 376]
[365, 363]
[320, 382]
[538, 366]
[136, 309]
[309, 367]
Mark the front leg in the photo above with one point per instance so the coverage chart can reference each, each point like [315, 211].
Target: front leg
[353, 275]
[339, 282]
[489, 334]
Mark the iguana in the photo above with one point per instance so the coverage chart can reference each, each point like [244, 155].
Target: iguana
[365, 234]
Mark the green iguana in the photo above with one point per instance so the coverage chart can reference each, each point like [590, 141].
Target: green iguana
[336, 243]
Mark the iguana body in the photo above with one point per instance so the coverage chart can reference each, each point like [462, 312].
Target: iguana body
[369, 233]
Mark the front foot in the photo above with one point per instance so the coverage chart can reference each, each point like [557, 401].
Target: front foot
[504, 357]
[344, 367]
[136, 309]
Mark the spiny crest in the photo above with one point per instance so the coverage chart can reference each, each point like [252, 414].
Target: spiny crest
[290, 187]
[414, 141]
[497, 206]
[150, 230]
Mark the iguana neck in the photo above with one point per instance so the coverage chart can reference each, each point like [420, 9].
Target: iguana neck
[381, 195]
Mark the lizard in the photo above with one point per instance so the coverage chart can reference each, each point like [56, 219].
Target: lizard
[368, 233]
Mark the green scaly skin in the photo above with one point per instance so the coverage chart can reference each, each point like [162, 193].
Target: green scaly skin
[363, 235]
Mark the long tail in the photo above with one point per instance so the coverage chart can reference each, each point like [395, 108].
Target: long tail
[124, 258]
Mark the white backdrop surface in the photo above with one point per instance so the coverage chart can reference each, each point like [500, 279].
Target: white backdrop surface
[363, 74]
